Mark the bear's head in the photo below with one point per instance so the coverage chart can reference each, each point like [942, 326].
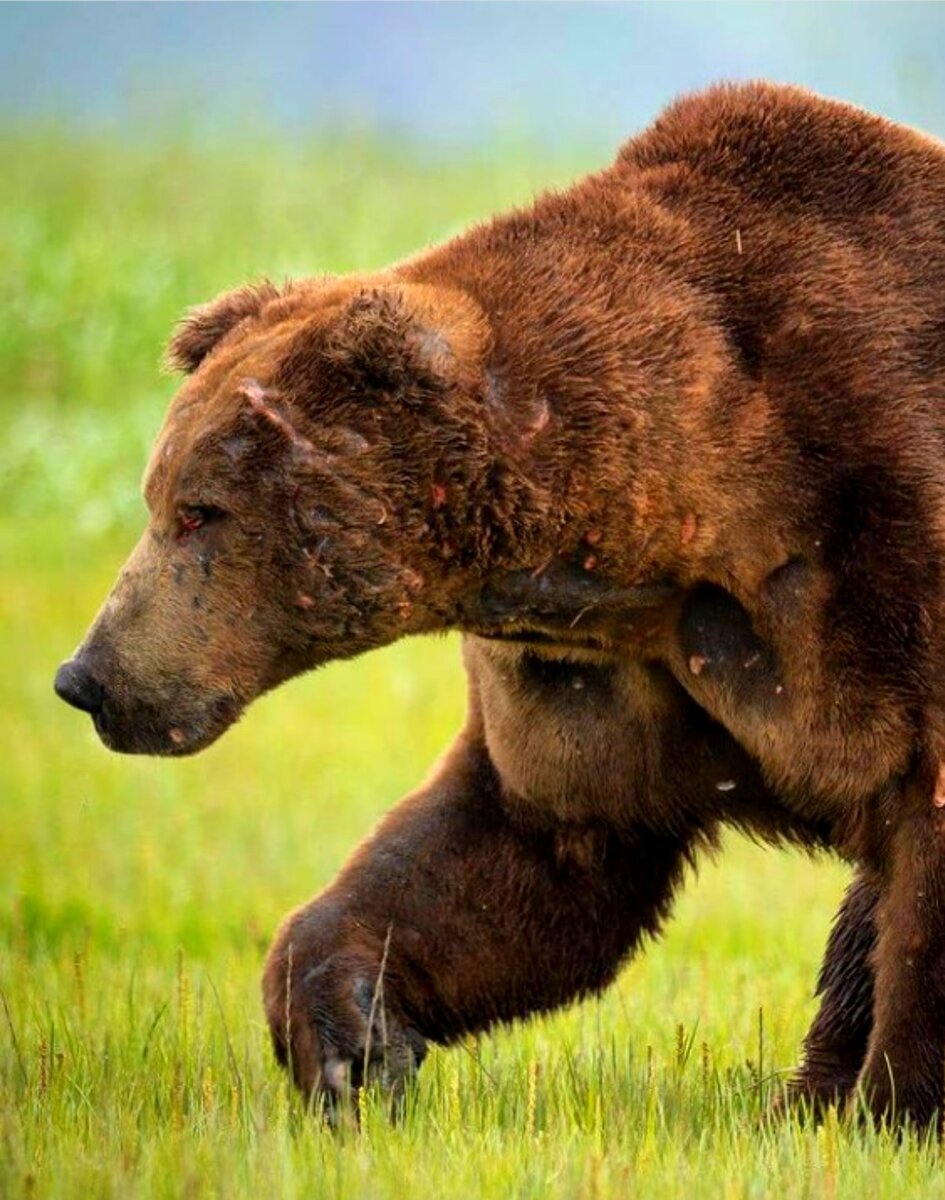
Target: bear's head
[317, 490]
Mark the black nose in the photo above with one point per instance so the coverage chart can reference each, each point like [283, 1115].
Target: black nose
[76, 684]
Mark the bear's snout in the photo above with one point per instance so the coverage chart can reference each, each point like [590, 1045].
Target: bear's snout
[76, 684]
[131, 718]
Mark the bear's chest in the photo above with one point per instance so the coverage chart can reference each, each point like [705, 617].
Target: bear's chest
[582, 737]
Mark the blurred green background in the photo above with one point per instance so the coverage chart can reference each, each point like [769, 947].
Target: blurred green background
[153, 155]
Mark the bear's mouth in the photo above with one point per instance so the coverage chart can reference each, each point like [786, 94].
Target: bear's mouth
[143, 729]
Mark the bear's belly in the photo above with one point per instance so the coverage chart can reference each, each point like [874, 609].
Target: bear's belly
[581, 736]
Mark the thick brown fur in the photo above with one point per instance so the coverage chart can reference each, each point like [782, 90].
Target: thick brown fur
[668, 448]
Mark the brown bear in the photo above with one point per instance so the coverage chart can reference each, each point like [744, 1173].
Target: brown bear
[668, 448]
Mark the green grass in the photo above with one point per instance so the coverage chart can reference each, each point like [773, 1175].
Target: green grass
[137, 896]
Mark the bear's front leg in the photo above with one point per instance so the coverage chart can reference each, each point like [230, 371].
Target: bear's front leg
[902, 1077]
[740, 679]
[823, 706]
[455, 915]
[835, 1046]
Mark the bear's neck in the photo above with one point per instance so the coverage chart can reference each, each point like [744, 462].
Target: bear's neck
[617, 419]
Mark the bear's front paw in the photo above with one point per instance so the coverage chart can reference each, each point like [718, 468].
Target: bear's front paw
[811, 1093]
[336, 1027]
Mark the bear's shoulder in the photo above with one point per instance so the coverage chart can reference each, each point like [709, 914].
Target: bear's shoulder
[784, 144]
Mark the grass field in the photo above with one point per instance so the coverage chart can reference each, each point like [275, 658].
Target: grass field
[138, 896]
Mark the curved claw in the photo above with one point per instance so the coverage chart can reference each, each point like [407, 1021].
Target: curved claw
[340, 1035]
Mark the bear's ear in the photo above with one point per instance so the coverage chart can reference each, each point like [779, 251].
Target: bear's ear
[405, 339]
[201, 328]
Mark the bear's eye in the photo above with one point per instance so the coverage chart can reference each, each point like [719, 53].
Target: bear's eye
[191, 517]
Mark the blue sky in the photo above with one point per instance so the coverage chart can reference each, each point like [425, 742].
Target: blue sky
[455, 72]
